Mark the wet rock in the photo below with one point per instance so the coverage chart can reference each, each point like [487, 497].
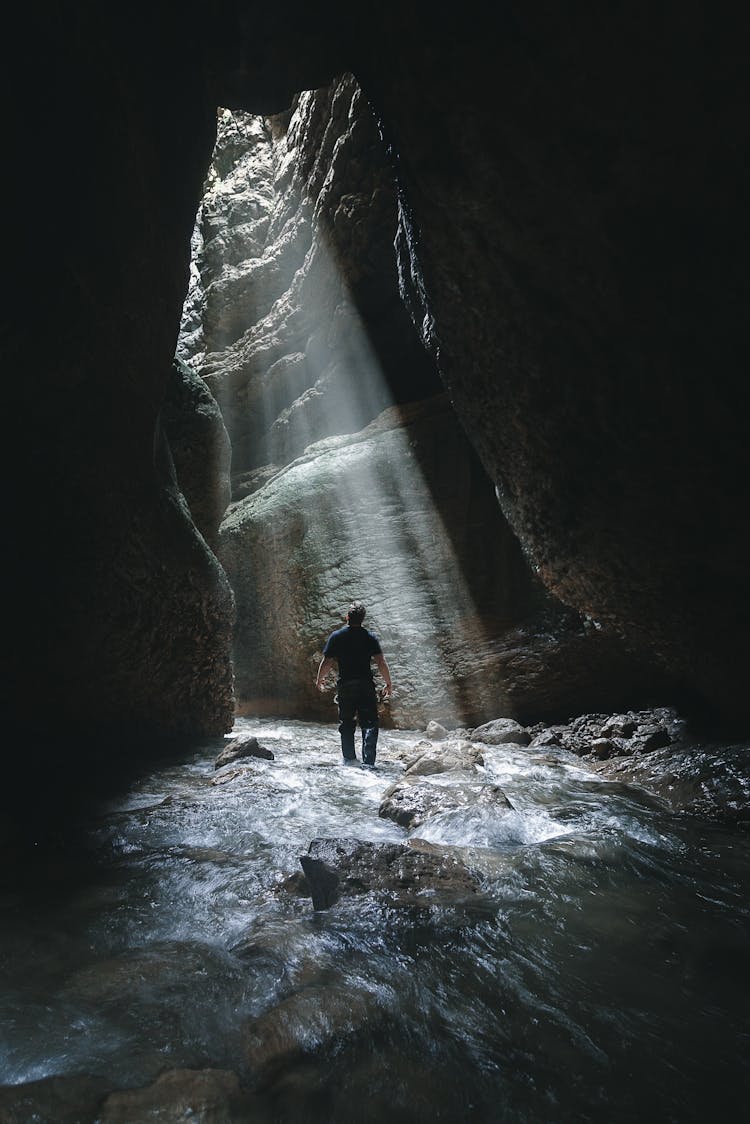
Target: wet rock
[212, 1096]
[435, 731]
[501, 731]
[226, 776]
[139, 974]
[297, 885]
[546, 737]
[625, 735]
[619, 726]
[409, 755]
[242, 747]
[649, 738]
[64, 1100]
[410, 803]
[461, 755]
[279, 334]
[337, 868]
[306, 1024]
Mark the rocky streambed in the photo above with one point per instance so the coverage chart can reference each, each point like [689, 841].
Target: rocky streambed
[500, 923]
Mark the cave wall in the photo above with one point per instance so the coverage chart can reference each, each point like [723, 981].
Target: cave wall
[577, 240]
[295, 321]
[576, 228]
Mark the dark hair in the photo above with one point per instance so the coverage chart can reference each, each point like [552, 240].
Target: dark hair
[356, 613]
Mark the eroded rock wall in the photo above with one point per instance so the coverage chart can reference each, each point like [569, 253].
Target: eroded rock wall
[293, 254]
[295, 320]
[573, 244]
[576, 187]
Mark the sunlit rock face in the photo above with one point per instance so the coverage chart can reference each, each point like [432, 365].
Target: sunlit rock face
[293, 249]
[295, 321]
[575, 235]
[400, 516]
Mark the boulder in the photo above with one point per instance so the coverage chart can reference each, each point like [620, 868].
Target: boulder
[63, 1099]
[501, 731]
[212, 1096]
[435, 731]
[243, 746]
[620, 735]
[619, 726]
[409, 803]
[310, 1022]
[545, 737]
[449, 757]
[602, 748]
[650, 737]
[407, 875]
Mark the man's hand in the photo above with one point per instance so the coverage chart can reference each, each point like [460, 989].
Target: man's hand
[326, 665]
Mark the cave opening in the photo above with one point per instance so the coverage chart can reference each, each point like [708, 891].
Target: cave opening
[330, 463]
[335, 468]
[576, 902]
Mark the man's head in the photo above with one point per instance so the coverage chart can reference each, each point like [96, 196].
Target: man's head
[356, 613]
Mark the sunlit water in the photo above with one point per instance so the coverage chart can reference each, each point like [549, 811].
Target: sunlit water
[605, 979]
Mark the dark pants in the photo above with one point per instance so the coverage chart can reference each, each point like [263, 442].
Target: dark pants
[357, 700]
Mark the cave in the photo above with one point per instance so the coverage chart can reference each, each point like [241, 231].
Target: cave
[557, 201]
[577, 272]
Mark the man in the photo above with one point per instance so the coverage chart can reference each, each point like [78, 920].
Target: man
[353, 648]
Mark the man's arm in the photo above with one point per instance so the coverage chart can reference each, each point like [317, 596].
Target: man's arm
[325, 666]
[384, 671]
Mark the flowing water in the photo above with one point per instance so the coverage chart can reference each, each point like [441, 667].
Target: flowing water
[604, 979]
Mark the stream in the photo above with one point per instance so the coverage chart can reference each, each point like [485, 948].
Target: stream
[604, 977]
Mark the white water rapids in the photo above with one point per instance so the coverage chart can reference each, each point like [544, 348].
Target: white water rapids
[606, 982]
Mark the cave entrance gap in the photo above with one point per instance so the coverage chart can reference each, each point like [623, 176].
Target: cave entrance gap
[349, 477]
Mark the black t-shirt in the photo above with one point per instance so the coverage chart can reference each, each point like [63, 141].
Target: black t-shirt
[353, 648]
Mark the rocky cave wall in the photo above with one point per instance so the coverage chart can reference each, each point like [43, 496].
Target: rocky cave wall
[295, 321]
[575, 225]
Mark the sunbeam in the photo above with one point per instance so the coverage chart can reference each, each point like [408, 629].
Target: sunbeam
[343, 470]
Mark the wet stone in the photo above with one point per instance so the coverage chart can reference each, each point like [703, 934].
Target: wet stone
[64, 1100]
[652, 737]
[337, 868]
[546, 737]
[619, 726]
[435, 731]
[242, 747]
[411, 802]
[501, 731]
[309, 1023]
[460, 755]
[212, 1096]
